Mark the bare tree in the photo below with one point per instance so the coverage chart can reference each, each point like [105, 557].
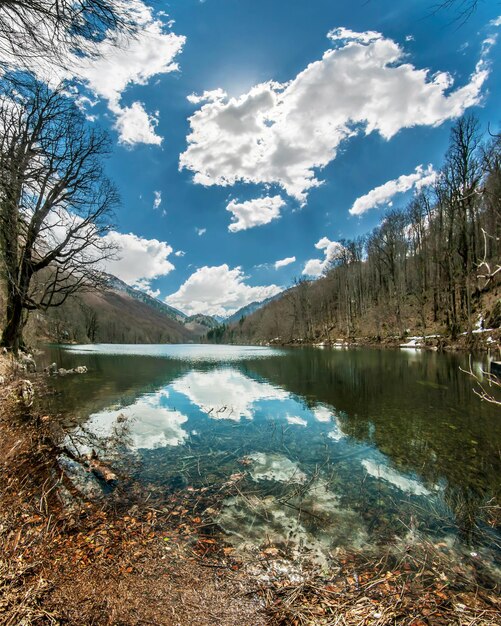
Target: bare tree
[55, 202]
[427, 267]
[487, 385]
[463, 9]
[41, 29]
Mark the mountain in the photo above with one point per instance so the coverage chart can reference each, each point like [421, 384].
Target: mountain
[249, 309]
[199, 324]
[117, 314]
[118, 285]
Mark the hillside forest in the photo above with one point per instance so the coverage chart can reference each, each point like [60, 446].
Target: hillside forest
[431, 267]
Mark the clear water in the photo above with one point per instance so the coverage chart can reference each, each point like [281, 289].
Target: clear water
[338, 448]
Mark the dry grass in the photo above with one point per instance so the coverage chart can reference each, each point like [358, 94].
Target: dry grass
[421, 586]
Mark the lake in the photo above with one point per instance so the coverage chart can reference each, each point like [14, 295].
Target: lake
[332, 448]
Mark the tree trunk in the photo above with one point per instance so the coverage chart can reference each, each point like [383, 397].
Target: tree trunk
[13, 329]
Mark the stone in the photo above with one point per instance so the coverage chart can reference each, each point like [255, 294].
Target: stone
[28, 362]
[51, 369]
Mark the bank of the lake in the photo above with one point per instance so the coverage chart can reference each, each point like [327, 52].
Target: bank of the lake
[479, 340]
[143, 554]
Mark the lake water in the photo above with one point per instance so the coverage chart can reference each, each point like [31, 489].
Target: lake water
[338, 448]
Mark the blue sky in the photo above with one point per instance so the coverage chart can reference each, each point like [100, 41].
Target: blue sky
[297, 128]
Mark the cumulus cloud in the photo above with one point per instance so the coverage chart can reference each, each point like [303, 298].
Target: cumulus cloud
[383, 194]
[139, 260]
[383, 472]
[284, 133]
[149, 423]
[254, 212]
[135, 61]
[332, 251]
[179, 253]
[135, 125]
[200, 231]
[284, 262]
[218, 290]
[117, 65]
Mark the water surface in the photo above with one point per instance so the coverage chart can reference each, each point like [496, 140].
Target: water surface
[338, 448]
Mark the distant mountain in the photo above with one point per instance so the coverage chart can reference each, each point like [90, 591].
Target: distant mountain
[249, 309]
[199, 324]
[118, 285]
[117, 314]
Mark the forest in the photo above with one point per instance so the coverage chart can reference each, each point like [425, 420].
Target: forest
[430, 267]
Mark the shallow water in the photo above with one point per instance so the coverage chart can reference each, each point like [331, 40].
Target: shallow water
[339, 448]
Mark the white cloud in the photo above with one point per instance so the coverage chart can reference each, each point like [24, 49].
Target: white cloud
[383, 472]
[328, 416]
[179, 253]
[341, 36]
[323, 414]
[157, 199]
[295, 420]
[332, 250]
[201, 231]
[384, 193]
[135, 60]
[116, 65]
[148, 424]
[143, 284]
[135, 125]
[275, 467]
[284, 262]
[254, 212]
[140, 260]
[285, 133]
[218, 290]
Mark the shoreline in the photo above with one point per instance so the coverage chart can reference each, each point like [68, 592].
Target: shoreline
[138, 557]
[487, 341]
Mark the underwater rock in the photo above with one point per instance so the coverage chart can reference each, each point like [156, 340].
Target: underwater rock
[27, 362]
[275, 467]
[398, 480]
[311, 524]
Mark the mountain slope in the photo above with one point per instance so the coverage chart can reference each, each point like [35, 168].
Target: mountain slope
[118, 285]
[118, 314]
[199, 324]
[249, 309]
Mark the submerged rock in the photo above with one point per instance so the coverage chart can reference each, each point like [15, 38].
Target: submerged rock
[275, 467]
[81, 369]
[311, 523]
[84, 481]
[51, 369]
